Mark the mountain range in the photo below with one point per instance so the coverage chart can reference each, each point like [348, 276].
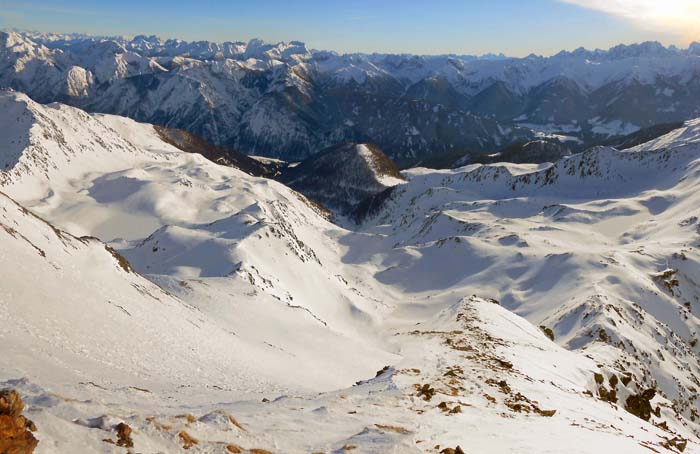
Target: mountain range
[288, 102]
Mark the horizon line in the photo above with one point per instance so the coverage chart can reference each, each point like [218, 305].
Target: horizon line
[495, 54]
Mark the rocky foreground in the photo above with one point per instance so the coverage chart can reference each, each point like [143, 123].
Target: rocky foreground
[16, 435]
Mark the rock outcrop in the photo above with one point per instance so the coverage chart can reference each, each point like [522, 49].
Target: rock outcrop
[15, 430]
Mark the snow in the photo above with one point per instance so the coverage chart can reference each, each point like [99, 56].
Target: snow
[687, 136]
[247, 292]
[612, 128]
[383, 178]
[266, 160]
[584, 236]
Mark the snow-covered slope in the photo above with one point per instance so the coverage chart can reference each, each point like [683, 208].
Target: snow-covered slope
[253, 315]
[285, 101]
[601, 248]
[111, 177]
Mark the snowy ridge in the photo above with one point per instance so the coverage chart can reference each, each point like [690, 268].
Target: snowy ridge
[688, 135]
[650, 59]
[38, 145]
[99, 185]
[130, 308]
[608, 171]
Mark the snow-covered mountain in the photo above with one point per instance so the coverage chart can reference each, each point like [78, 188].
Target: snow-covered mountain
[498, 308]
[600, 248]
[286, 101]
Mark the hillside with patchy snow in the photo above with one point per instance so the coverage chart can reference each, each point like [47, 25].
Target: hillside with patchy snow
[498, 308]
[343, 176]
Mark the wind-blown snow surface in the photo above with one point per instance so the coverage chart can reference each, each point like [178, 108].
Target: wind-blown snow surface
[258, 296]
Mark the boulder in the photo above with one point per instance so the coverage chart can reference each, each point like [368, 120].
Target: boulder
[15, 430]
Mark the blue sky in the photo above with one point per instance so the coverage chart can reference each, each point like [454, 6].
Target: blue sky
[515, 27]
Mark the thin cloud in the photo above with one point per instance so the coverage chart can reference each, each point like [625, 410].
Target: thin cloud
[675, 16]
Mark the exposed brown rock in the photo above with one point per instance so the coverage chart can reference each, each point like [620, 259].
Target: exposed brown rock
[15, 430]
[124, 435]
[457, 450]
[607, 395]
[235, 422]
[187, 440]
[31, 426]
[667, 279]
[626, 379]
[396, 429]
[10, 403]
[189, 417]
[548, 332]
[501, 384]
[504, 364]
[640, 404]
[121, 260]
[425, 391]
[677, 443]
[381, 371]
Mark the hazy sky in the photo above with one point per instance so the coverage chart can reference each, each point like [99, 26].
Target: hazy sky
[514, 27]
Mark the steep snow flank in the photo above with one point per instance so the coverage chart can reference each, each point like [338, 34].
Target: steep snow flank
[127, 183]
[78, 322]
[130, 334]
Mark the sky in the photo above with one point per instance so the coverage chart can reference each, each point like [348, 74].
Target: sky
[513, 27]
